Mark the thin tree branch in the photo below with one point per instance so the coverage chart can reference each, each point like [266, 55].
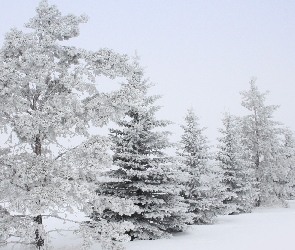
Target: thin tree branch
[63, 230]
[58, 217]
[16, 242]
[61, 154]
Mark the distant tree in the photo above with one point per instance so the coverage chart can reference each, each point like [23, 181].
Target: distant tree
[234, 159]
[289, 149]
[48, 91]
[202, 191]
[263, 137]
[145, 175]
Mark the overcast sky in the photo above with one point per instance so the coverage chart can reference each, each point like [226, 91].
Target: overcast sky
[199, 53]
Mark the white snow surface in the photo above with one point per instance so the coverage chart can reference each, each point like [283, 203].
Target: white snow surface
[263, 229]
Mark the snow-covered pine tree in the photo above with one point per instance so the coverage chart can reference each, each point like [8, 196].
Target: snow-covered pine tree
[43, 85]
[289, 148]
[202, 191]
[145, 175]
[234, 159]
[263, 137]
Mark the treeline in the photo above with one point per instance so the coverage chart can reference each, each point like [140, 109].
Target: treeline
[252, 166]
[48, 91]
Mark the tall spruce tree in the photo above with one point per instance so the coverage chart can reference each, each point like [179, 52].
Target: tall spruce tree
[234, 160]
[145, 175]
[262, 136]
[202, 191]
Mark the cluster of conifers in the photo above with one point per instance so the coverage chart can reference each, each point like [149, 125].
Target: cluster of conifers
[48, 91]
[252, 166]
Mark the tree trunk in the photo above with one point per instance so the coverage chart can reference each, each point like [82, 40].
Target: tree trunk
[38, 239]
[37, 147]
[257, 166]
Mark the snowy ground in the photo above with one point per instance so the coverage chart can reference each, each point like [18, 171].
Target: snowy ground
[263, 229]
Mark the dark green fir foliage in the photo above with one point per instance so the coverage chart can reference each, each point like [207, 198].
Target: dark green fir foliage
[238, 174]
[202, 191]
[145, 175]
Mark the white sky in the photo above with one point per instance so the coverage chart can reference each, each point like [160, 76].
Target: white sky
[199, 53]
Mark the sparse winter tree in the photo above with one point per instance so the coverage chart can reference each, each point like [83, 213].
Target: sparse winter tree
[145, 175]
[234, 160]
[262, 136]
[202, 190]
[48, 91]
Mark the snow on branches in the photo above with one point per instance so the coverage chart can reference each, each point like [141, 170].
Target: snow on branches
[202, 190]
[48, 91]
[263, 137]
[238, 173]
[144, 176]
